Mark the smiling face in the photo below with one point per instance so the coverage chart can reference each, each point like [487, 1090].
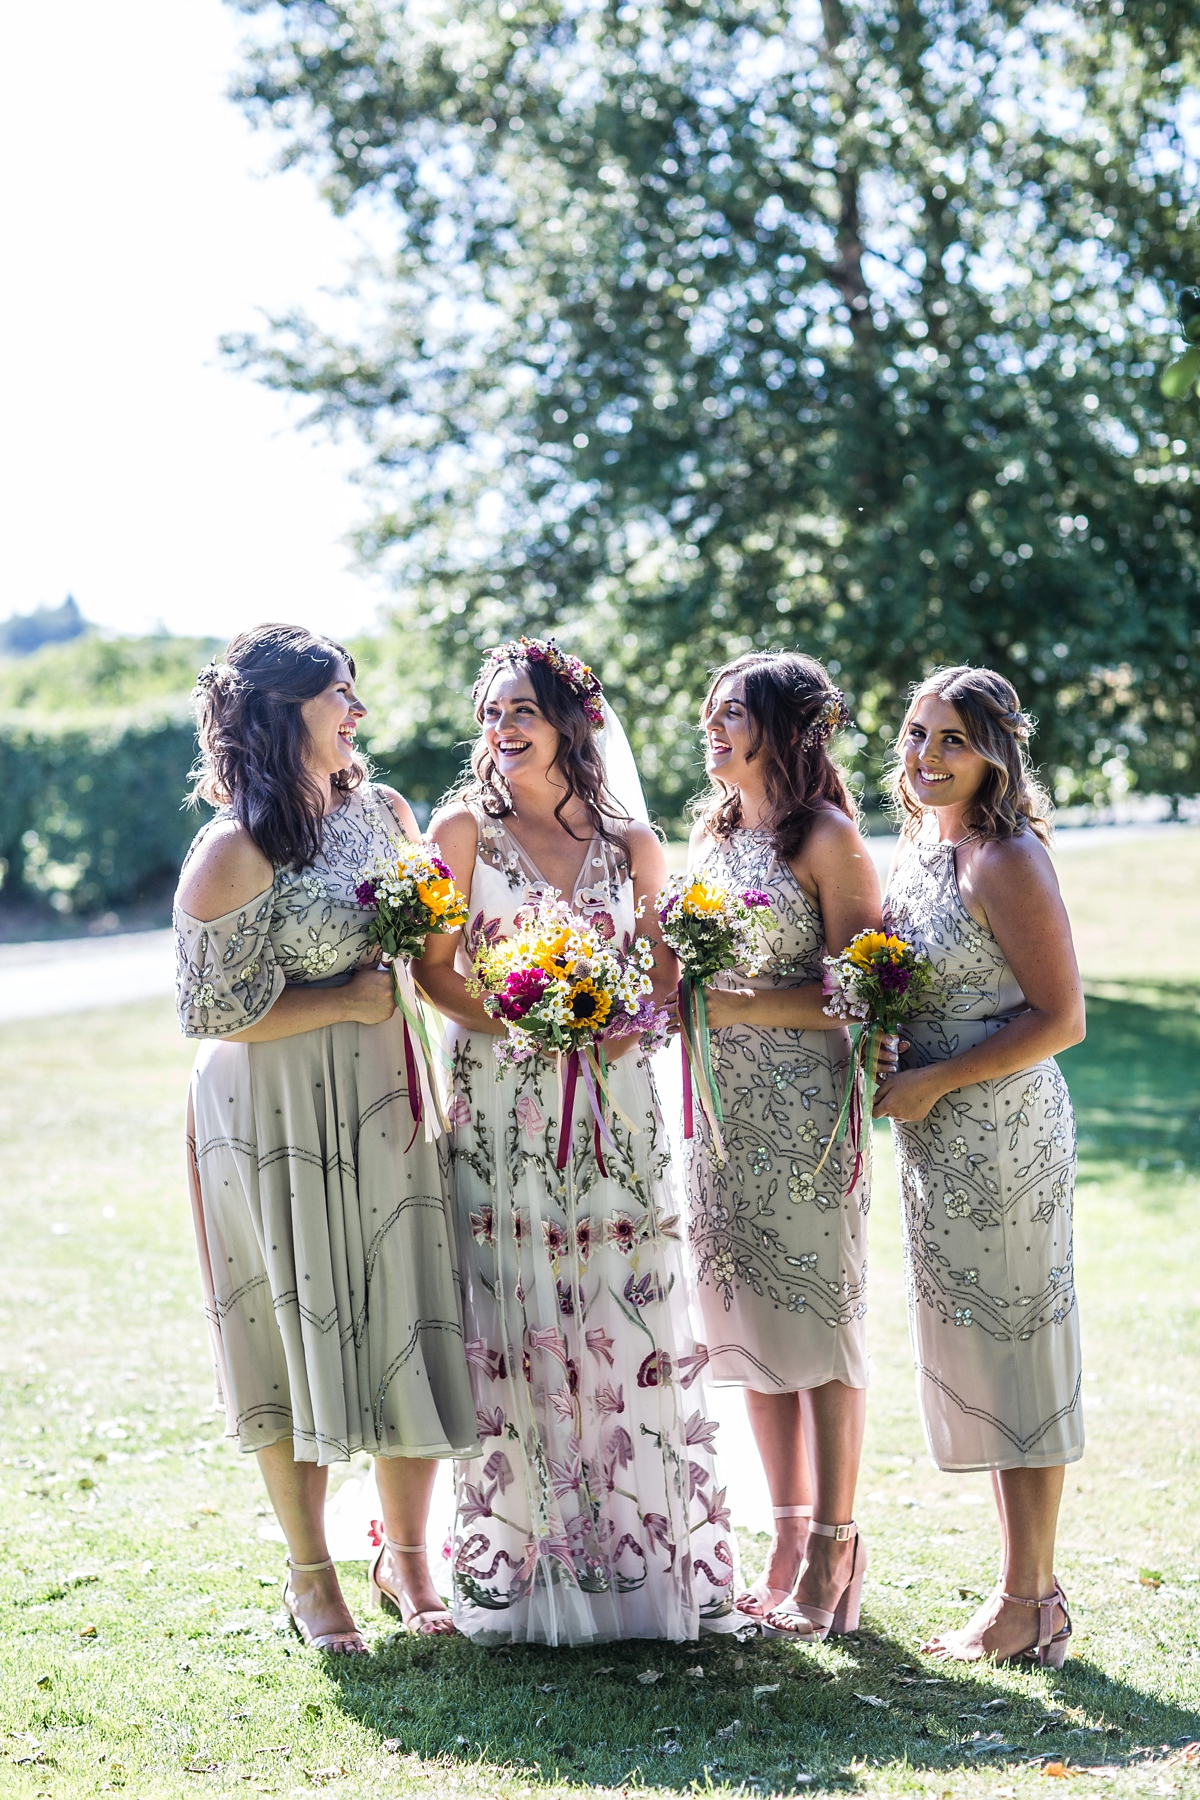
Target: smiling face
[728, 751]
[941, 767]
[520, 739]
[331, 719]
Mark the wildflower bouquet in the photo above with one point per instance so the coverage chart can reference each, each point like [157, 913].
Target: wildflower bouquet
[413, 893]
[875, 984]
[711, 928]
[563, 990]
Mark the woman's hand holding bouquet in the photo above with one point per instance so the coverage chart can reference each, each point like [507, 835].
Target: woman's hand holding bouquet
[564, 990]
[711, 928]
[874, 985]
[413, 893]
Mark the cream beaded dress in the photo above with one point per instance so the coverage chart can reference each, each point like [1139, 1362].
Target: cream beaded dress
[780, 1251]
[987, 1181]
[326, 1250]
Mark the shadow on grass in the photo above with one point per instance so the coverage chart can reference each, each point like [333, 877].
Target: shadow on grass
[763, 1713]
[1135, 1079]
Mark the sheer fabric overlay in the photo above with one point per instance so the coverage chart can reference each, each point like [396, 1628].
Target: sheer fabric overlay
[987, 1184]
[594, 1511]
[780, 1251]
[326, 1249]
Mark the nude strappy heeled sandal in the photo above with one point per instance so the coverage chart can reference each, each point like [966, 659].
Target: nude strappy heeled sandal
[1050, 1651]
[422, 1624]
[757, 1601]
[343, 1643]
[799, 1618]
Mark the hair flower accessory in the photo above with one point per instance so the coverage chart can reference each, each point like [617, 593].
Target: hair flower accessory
[569, 669]
[833, 716]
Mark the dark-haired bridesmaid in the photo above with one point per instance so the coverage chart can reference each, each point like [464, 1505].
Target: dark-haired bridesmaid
[325, 1244]
[780, 1241]
[985, 1138]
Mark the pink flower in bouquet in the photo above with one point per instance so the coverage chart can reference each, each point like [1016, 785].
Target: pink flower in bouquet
[522, 990]
[755, 897]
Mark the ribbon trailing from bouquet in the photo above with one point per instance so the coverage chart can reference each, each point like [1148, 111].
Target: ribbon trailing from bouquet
[588, 1062]
[424, 1095]
[699, 1083]
[864, 1058]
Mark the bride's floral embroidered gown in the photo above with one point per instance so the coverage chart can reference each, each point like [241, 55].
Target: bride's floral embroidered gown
[987, 1181]
[594, 1511]
[780, 1250]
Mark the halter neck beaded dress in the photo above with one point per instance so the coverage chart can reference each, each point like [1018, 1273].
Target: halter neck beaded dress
[326, 1250]
[780, 1251]
[594, 1511]
[987, 1182]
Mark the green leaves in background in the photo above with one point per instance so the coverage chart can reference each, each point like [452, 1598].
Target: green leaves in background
[696, 327]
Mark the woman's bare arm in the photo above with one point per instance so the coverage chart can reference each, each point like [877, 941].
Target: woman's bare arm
[456, 835]
[1012, 884]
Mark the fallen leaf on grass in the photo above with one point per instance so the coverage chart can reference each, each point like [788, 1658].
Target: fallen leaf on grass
[324, 1774]
[1151, 1578]
[771, 1687]
[870, 1699]
[1057, 1769]
[393, 1746]
[88, 1631]
[698, 1672]
[1187, 1753]
[274, 1750]
[965, 1593]
[201, 1768]
[548, 1687]
[727, 1731]
[649, 1676]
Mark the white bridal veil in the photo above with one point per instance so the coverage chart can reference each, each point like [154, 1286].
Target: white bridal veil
[620, 770]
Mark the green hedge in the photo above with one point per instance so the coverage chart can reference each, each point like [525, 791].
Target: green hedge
[91, 812]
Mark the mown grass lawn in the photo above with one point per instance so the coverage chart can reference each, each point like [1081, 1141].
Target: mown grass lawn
[140, 1640]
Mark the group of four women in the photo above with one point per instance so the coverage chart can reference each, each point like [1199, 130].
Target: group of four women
[555, 1328]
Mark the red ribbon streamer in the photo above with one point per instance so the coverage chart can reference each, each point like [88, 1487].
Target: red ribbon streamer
[414, 1086]
[570, 1077]
[689, 1124]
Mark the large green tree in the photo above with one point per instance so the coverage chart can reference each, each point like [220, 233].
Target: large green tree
[704, 324]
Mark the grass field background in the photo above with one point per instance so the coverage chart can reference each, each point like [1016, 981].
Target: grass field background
[141, 1646]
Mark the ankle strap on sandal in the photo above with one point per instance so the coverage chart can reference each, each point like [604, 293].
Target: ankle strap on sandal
[408, 1549]
[310, 1568]
[1044, 1609]
[792, 1512]
[841, 1534]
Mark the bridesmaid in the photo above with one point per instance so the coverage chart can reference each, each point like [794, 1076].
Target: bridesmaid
[781, 1251]
[985, 1139]
[593, 1512]
[325, 1247]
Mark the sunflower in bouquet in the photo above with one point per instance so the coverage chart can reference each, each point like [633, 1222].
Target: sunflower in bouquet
[563, 990]
[874, 986]
[413, 892]
[711, 928]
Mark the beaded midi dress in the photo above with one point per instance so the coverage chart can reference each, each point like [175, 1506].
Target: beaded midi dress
[594, 1511]
[780, 1251]
[987, 1182]
[326, 1247]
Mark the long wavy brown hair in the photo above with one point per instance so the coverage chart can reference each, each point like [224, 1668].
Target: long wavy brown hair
[253, 739]
[785, 695]
[1011, 799]
[578, 759]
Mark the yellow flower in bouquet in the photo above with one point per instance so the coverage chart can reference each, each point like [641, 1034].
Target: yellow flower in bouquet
[869, 945]
[442, 897]
[703, 898]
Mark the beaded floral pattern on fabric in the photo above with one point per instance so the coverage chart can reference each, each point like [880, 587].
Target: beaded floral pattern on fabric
[594, 1511]
[780, 1250]
[307, 927]
[987, 1181]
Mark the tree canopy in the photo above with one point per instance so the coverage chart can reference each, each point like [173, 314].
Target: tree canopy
[703, 326]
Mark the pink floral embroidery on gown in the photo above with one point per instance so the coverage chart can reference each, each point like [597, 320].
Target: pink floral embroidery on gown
[594, 1511]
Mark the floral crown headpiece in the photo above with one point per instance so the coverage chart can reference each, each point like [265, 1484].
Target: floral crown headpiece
[213, 673]
[833, 716]
[577, 675]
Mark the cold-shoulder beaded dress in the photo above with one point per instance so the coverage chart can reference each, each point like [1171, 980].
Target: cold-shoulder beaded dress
[594, 1511]
[326, 1249]
[987, 1181]
[780, 1251]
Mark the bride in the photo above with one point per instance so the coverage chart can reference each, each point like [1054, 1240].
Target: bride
[592, 1512]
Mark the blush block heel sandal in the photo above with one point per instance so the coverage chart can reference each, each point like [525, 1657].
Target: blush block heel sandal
[757, 1601]
[1050, 1651]
[800, 1619]
[343, 1643]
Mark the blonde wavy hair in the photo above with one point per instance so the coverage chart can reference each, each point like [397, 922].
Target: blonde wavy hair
[1011, 799]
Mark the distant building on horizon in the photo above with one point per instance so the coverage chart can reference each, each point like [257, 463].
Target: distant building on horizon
[26, 632]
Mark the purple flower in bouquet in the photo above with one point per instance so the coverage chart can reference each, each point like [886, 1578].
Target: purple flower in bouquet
[522, 990]
[443, 869]
[755, 897]
[366, 895]
[894, 979]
